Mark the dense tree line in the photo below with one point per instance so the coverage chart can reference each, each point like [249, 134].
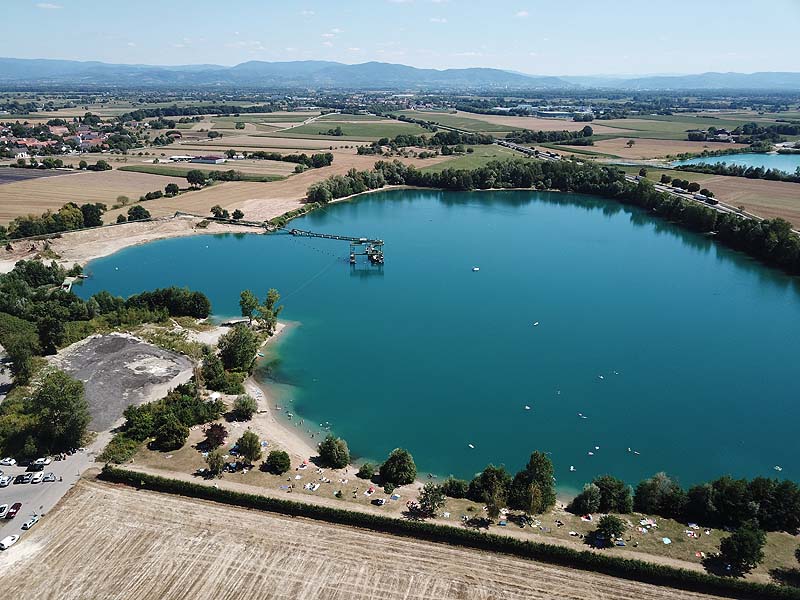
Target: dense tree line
[725, 502]
[339, 186]
[440, 138]
[315, 161]
[733, 170]
[68, 218]
[37, 316]
[526, 136]
[770, 240]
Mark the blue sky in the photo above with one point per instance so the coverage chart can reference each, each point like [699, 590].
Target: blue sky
[576, 37]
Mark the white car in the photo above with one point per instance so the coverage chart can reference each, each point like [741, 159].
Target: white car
[3, 510]
[9, 541]
[5, 480]
[43, 461]
[30, 522]
[37, 478]
[8, 462]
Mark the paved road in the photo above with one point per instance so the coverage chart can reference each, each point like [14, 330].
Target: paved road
[41, 497]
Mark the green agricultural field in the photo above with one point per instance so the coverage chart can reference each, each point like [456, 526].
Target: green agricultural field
[181, 171]
[671, 127]
[457, 121]
[347, 117]
[363, 131]
[479, 158]
[256, 118]
[655, 174]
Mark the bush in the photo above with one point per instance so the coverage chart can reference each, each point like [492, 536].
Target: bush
[334, 452]
[744, 549]
[119, 449]
[244, 407]
[171, 434]
[249, 446]
[366, 471]
[237, 348]
[277, 462]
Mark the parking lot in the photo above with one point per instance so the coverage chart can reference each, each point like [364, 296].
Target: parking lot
[39, 498]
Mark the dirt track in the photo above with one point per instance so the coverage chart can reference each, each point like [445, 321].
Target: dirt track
[108, 541]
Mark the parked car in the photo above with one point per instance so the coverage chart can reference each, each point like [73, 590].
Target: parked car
[30, 522]
[379, 501]
[37, 478]
[24, 478]
[46, 460]
[5, 480]
[8, 462]
[33, 467]
[9, 541]
[49, 477]
[3, 510]
[15, 508]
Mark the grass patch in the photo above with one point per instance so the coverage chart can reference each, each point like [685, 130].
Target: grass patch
[181, 171]
[481, 156]
[457, 121]
[353, 131]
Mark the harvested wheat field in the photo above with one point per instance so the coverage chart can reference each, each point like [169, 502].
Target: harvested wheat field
[35, 196]
[105, 541]
[764, 198]
[650, 148]
[262, 201]
[533, 123]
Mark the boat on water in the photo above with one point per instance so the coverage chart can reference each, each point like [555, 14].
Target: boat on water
[471, 446]
[475, 269]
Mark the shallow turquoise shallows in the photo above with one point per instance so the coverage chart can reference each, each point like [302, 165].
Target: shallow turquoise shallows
[655, 349]
[782, 162]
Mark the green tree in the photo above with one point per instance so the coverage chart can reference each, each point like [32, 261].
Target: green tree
[215, 461]
[82, 165]
[51, 334]
[237, 348]
[139, 422]
[248, 303]
[196, 178]
[269, 311]
[218, 212]
[642, 172]
[660, 495]
[693, 187]
[215, 435]
[277, 462]
[630, 143]
[249, 447]
[431, 499]
[171, 434]
[492, 482]
[122, 219]
[538, 471]
[334, 452]
[214, 373]
[244, 407]
[743, 550]
[399, 468]
[455, 488]
[615, 494]
[366, 471]
[588, 501]
[610, 527]
[238, 215]
[93, 214]
[172, 189]
[61, 412]
[137, 213]
[708, 193]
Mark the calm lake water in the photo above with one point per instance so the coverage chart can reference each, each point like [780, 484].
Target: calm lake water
[782, 162]
[666, 343]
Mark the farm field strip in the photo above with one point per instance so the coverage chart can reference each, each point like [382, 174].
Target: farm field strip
[143, 545]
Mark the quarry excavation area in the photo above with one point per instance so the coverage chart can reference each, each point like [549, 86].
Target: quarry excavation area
[106, 541]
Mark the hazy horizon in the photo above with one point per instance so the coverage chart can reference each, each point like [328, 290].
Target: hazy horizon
[526, 36]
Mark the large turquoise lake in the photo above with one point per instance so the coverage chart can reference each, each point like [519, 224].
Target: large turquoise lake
[649, 338]
[782, 162]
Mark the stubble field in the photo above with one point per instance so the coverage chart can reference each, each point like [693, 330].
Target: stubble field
[107, 541]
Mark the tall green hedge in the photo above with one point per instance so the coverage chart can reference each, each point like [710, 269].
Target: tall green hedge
[586, 560]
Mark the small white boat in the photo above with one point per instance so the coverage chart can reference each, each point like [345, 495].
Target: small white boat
[475, 269]
[600, 377]
[591, 453]
[571, 468]
[527, 407]
[471, 446]
[777, 468]
[536, 324]
[597, 447]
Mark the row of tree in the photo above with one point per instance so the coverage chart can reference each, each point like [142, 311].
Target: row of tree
[734, 170]
[526, 136]
[315, 161]
[69, 217]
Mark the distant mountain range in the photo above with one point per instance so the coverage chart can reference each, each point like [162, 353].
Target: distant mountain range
[370, 75]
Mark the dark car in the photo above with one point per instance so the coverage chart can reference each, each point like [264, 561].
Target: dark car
[12, 512]
[24, 478]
